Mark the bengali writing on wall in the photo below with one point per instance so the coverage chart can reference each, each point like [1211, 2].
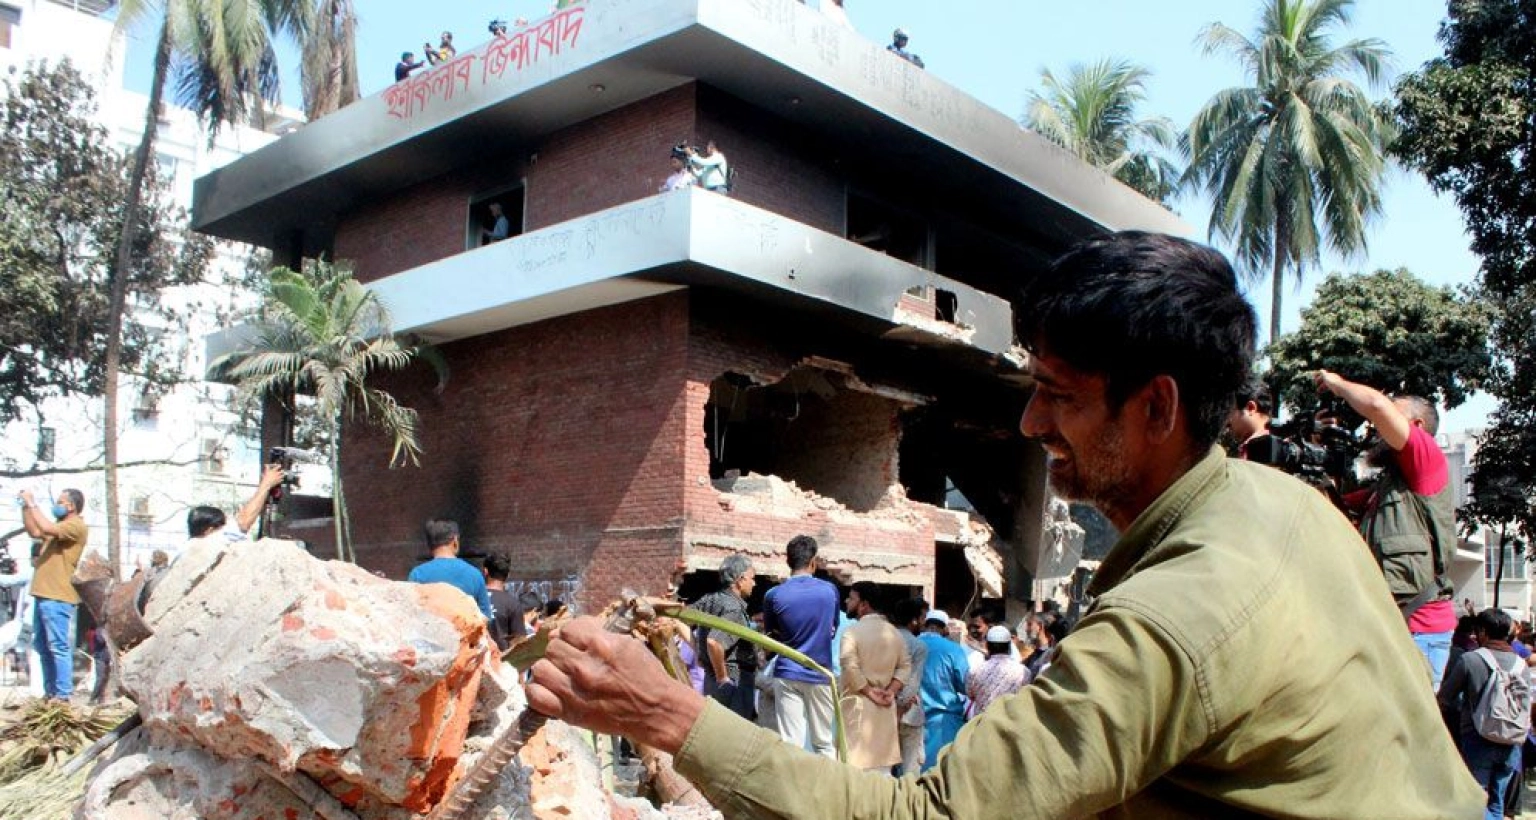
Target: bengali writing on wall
[511, 52]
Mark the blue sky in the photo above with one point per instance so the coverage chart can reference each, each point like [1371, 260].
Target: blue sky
[995, 49]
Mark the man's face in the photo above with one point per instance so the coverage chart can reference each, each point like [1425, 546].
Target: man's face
[1093, 451]
[1247, 422]
[63, 501]
[976, 628]
[745, 583]
[853, 603]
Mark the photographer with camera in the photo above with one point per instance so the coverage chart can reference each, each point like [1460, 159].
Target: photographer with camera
[1408, 515]
[711, 167]
[203, 521]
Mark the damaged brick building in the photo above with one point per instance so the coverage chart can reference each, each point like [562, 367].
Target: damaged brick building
[643, 380]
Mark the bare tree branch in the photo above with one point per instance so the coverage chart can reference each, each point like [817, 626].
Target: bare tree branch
[36, 472]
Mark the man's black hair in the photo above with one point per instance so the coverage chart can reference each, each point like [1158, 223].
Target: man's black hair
[872, 594]
[77, 499]
[552, 607]
[907, 610]
[1495, 623]
[1258, 393]
[440, 531]
[203, 520]
[497, 566]
[1134, 305]
[530, 601]
[800, 551]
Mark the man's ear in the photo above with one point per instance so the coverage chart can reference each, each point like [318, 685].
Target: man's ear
[1162, 398]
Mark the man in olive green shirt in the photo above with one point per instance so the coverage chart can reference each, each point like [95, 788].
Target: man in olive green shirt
[1182, 692]
[53, 590]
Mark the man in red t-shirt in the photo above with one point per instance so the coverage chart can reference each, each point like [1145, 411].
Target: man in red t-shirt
[1408, 515]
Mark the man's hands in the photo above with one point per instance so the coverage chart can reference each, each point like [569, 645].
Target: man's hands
[271, 477]
[879, 696]
[611, 683]
[26, 498]
[1391, 423]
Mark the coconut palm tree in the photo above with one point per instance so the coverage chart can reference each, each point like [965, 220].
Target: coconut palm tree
[328, 45]
[1294, 161]
[1092, 113]
[323, 334]
[223, 57]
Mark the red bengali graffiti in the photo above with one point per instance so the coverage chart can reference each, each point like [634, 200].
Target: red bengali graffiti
[549, 36]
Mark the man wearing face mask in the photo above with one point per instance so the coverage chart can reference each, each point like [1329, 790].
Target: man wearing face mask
[1408, 517]
[54, 596]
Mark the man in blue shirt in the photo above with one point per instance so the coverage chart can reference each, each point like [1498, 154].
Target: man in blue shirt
[943, 689]
[802, 612]
[446, 567]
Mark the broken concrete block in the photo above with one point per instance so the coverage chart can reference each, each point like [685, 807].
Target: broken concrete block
[261, 650]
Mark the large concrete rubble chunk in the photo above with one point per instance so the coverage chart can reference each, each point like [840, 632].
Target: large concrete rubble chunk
[261, 651]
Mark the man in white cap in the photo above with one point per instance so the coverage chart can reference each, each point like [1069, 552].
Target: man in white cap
[943, 687]
[999, 675]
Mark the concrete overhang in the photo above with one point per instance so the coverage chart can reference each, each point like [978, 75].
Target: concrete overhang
[687, 238]
[604, 54]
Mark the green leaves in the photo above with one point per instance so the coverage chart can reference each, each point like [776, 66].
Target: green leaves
[61, 193]
[1092, 113]
[1468, 123]
[1294, 161]
[323, 334]
[1390, 330]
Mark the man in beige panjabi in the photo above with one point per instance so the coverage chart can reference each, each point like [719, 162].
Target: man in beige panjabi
[876, 667]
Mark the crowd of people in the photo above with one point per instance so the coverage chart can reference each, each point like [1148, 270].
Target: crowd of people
[445, 50]
[910, 676]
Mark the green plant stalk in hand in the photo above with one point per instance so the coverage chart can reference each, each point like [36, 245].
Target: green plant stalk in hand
[525, 654]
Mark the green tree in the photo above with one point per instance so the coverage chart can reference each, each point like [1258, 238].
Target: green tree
[1294, 160]
[1092, 113]
[324, 334]
[1468, 123]
[60, 191]
[1390, 330]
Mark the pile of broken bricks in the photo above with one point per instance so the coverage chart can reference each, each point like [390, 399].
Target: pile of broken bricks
[271, 684]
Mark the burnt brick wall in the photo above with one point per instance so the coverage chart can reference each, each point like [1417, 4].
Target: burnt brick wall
[721, 342]
[779, 166]
[611, 159]
[557, 442]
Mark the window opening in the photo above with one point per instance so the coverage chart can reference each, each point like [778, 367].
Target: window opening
[494, 217]
[888, 229]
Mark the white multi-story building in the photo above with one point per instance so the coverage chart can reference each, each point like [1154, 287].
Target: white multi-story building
[1479, 550]
[187, 447]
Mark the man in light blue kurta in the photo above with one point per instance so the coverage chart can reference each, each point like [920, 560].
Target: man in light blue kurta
[943, 687]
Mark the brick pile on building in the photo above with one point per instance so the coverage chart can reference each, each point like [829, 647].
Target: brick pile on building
[276, 685]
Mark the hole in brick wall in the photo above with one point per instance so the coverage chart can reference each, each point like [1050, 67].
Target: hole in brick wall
[810, 428]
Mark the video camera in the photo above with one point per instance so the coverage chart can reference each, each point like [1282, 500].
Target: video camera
[8, 565]
[1318, 451]
[286, 458]
[497, 27]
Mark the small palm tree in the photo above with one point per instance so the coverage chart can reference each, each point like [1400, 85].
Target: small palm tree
[1092, 113]
[1299, 143]
[323, 334]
